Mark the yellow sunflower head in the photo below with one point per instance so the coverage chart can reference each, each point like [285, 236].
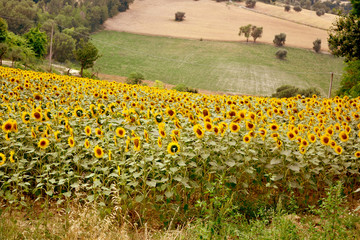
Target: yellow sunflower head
[71, 141]
[43, 143]
[173, 148]
[120, 132]
[98, 151]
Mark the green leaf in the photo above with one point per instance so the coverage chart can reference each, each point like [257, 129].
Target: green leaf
[139, 198]
[277, 177]
[294, 167]
[169, 194]
[151, 183]
[275, 161]
[90, 198]
[67, 194]
[230, 163]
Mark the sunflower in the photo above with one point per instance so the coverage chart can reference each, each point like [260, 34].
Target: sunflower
[246, 138]
[262, 132]
[234, 127]
[25, 116]
[291, 135]
[7, 126]
[208, 126]
[177, 124]
[128, 140]
[158, 118]
[343, 136]
[120, 132]
[311, 137]
[57, 135]
[173, 148]
[329, 131]
[33, 134]
[274, 127]
[250, 126]
[3, 159]
[278, 143]
[98, 132]
[109, 155]
[332, 143]
[338, 149]
[216, 130]
[88, 130]
[176, 132]
[357, 154]
[43, 143]
[162, 132]
[198, 130]
[170, 112]
[137, 143]
[159, 142]
[37, 115]
[87, 144]
[205, 112]
[304, 143]
[146, 135]
[11, 158]
[325, 140]
[71, 141]
[98, 151]
[274, 135]
[302, 149]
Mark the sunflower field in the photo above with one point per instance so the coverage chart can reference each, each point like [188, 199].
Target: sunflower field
[64, 137]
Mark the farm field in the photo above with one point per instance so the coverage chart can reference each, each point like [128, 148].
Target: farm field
[229, 67]
[147, 155]
[208, 19]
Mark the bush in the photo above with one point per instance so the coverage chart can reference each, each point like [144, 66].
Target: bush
[179, 16]
[279, 39]
[250, 3]
[287, 8]
[297, 8]
[135, 78]
[159, 84]
[317, 45]
[350, 83]
[287, 91]
[183, 88]
[320, 12]
[281, 54]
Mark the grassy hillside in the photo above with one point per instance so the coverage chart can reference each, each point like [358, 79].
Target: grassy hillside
[244, 68]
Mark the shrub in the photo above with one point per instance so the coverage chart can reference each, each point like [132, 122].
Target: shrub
[320, 12]
[287, 91]
[280, 39]
[281, 54]
[179, 16]
[297, 8]
[287, 8]
[135, 78]
[250, 3]
[159, 84]
[317, 45]
[183, 88]
[350, 83]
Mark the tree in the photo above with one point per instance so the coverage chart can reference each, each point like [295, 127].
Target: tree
[63, 47]
[3, 30]
[250, 3]
[246, 30]
[256, 32]
[86, 53]
[320, 12]
[344, 38]
[297, 8]
[317, 45]
[37, 40]
[3, 50]
[287, 8]
[19, 50]
[279, 39]
[350, 83]
[281, 54]
[179, 16]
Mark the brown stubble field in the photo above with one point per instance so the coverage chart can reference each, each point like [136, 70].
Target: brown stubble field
[211, 20]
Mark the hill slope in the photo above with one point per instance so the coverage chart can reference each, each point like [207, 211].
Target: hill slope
[208, 19]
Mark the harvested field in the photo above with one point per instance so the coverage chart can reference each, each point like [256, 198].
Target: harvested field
[210, 20]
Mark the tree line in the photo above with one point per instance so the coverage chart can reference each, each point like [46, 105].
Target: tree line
[27, 27]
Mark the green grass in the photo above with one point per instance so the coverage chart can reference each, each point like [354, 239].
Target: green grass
[243, 68]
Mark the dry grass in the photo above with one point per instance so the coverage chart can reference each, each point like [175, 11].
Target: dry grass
[208, 19]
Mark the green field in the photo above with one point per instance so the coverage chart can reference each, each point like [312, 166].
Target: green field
[234, 67]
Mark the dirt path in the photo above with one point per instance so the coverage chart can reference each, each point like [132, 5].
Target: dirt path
[211, 20]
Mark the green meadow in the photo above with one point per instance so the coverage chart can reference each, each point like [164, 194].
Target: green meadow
[232, 67]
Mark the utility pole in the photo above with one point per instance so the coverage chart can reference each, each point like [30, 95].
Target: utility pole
[51, 42]
[331, 81]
